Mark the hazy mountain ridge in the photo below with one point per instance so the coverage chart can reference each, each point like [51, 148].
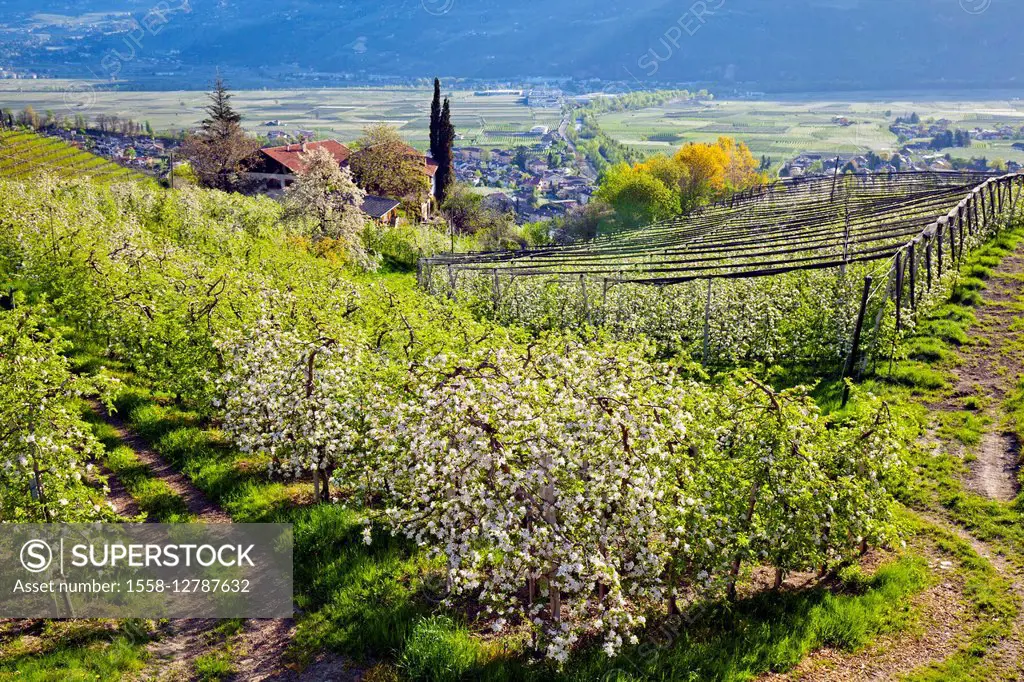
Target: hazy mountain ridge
[764, 45]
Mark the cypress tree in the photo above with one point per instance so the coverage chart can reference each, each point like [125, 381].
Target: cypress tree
[446, 139]
[435, 120]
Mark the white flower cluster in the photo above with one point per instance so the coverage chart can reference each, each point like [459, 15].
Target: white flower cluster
[300, 402]
[45, 446]
[803, 316]
[573, 487]
[570, 486]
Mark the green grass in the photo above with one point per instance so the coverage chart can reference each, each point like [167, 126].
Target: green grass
[76, 651]
[24, 154]
[993, 606]
[938, 476]
[438, 649]
[917, 375]
[154, 497]
[382, 600]
[214, 666]
[965, 427]
[773, 632]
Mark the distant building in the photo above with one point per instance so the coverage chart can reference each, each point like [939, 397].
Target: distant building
[544, 98]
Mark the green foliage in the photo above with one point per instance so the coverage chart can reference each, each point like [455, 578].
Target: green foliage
[917, 375]
[189, 286]
[66, 651]
[638, 197]
[46, 450]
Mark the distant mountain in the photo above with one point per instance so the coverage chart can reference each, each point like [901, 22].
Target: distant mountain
[755, 44]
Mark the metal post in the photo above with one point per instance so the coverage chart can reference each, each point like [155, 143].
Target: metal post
[928, 261]
[583, 293]
[952, 239]
[960, 229]
[835, 178]
[496, 289]
[938, 245]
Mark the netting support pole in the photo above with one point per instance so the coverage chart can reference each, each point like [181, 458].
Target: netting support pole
[913, 277]
[938, 245]
[960, 230]
[952, 239]
[972, 211]
[984, 208]
[928, 261]
[583, 293]
[707, 324]
[496, 290]
[899, 291]
[851, 362]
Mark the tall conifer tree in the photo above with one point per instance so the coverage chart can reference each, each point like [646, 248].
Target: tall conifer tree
[446, 139]
[435, 119]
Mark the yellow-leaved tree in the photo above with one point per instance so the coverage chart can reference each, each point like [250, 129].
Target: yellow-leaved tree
[698, 173]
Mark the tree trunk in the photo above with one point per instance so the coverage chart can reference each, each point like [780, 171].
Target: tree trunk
[734, 573]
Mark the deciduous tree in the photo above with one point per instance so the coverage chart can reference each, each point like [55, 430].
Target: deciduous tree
[327, 201]
[387, 166]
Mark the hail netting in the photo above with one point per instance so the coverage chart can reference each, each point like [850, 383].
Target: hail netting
[773, 276]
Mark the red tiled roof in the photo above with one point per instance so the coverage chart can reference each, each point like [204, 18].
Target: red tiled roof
[288, 155]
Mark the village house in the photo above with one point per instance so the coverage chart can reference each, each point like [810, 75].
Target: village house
[277, 167]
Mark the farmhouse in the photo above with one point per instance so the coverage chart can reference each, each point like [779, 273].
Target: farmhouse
[277, 167]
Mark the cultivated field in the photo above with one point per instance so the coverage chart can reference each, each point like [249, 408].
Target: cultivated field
[780, 129]
[338, 113]
[23, 154]
[784, 129]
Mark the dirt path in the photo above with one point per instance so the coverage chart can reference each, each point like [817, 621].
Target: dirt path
[258, 650]
[943, 623]
[195, 501]
[989, 369]
[1008, 654]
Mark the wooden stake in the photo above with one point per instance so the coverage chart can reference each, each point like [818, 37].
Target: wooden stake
[855, 349]
[899, 291]
[707, 324]
[913, 278]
